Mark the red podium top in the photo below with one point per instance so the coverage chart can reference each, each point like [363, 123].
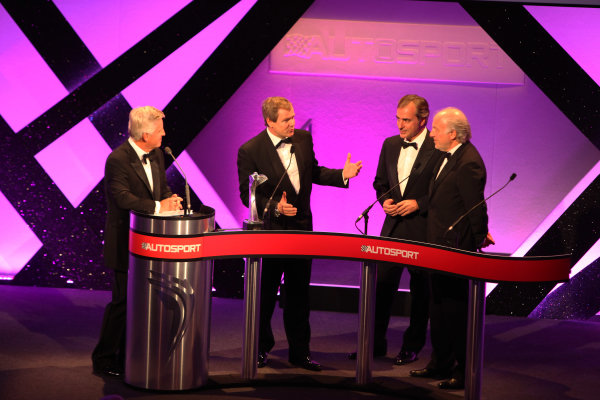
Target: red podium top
[487, 267]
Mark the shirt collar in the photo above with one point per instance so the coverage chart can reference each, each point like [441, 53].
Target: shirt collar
[136, 148]
[453, 150]
[273, 138]
[420, 138]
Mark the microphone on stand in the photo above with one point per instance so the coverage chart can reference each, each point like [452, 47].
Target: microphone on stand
[292, 150]
[366, 212]
[188, 209]
[451, 227]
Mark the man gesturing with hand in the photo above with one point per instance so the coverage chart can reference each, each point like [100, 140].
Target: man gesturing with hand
[281, 150]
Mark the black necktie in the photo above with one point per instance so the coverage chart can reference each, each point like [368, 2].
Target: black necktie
[145, 158]
[410, 144]
[286, 140]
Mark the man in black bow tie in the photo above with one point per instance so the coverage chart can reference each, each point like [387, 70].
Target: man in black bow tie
[134, 179]
[283, 151]
[410, 154]
[458, 185]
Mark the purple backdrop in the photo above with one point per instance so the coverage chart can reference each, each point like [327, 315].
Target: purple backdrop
[516, 128]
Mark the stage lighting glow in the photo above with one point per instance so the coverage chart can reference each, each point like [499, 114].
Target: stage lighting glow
[111, 27]
[159, 85]
[17, 242]
[28, 87]
[577, 30]
[75, 161]
[202, 187]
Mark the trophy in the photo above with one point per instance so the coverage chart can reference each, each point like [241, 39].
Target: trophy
[254, 222]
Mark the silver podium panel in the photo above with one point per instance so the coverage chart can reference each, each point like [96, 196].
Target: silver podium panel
[168, 309]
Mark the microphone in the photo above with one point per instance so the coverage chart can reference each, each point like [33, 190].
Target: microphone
[512, 177]
[364, 213]
[188, 209]
[292, 150]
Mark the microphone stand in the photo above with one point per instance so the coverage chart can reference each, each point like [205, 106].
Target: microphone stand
[365, 214]
[188, 208]
[451, 227]
[292, 151]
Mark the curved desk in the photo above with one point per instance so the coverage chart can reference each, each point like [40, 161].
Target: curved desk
[477, 267]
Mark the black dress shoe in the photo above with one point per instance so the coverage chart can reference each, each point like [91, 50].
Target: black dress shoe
[452, 384]
[262, 359]
[377, 353]
[307, 363]
[405, 357]
[429, 373]
[109, 371]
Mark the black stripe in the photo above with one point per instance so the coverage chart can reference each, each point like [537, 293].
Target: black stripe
[544, 61]
[569, 87]
[54, 39]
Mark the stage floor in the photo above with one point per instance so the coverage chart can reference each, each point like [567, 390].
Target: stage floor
[47, 336]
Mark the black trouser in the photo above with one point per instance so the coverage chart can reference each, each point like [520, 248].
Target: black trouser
[296, 308]
[388, 279]
[110, 350]
[448, 312]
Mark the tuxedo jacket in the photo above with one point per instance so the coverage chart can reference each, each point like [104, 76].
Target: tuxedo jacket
[457, 189]
[412, 226]
[259, 155]
[127, 188]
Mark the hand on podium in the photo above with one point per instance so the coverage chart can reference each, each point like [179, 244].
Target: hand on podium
[172, 203]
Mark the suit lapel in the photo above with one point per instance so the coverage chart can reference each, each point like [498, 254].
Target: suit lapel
[420, 162]
[155, 176]
[276, 165]
[395, 150]
[136, 164]
[449, 165]
[300, 155]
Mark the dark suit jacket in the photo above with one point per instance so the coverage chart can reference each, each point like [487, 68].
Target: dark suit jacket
[127, 188]
[412, 226]
[459, 187]
[259, 155]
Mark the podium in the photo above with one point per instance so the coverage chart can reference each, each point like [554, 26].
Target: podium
[368, 250]
[168, 303]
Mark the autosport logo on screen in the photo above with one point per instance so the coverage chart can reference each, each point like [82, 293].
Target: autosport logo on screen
[171, 248]
[389, 251]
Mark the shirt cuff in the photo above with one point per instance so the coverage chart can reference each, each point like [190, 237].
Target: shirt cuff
[345, 179]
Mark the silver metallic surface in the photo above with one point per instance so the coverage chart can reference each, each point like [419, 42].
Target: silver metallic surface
[366, 320]
[168, 314]
[251, 317]
[199, 222]
[475, 327]
[256, 179]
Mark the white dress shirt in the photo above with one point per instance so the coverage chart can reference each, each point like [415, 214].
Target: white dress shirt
[407, 158]
[147, 170]
[286, 156]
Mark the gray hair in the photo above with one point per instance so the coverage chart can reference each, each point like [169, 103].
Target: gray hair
[139, 119]
[457, 120]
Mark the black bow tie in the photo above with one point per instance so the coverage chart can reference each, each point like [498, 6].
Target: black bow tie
[146, 158]
[410, 144]
[447, 155]
[284, 141]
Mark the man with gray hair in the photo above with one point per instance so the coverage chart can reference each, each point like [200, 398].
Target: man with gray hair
[134, 179]
[458, 185]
